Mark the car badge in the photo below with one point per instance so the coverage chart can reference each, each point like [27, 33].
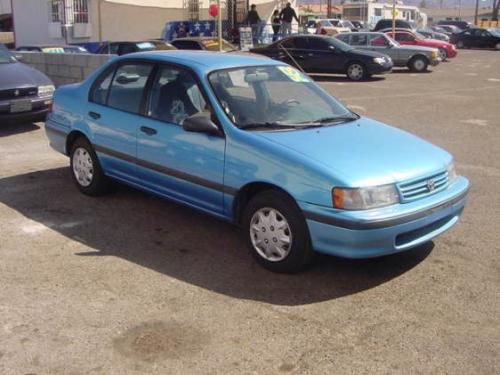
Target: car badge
[16, 93]
[431, 185]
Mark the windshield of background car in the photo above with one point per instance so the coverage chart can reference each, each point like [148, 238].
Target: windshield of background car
[5, 56]
[213, 45]
[162, 45]
[273, 95]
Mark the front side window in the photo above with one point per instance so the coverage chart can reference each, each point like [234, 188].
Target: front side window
[175, 95]
[274, 96]
[359, 40]
[377, 40]
[127, 88]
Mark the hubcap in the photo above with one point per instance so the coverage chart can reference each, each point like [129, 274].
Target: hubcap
[270, 234]
[419, 65]
[460, 44]
[83, 168]
[355, 71]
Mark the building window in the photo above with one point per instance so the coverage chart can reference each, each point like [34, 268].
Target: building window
[378, 11]
[69, 11]
[55, 10]
[81, 11]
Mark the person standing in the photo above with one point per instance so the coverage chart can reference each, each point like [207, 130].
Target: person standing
[276, 24]
[287, 15]
[253, 20]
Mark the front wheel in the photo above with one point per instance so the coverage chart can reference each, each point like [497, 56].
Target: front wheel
[443, 54]
[418, 64]
[277, 233]
[86, 169]
[356, 71]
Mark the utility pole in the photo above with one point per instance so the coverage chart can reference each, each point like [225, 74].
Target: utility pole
[393, 18]
[476, 13]
[219, 25]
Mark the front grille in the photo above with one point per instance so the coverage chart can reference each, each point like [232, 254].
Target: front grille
[423, 187]
[21, 92]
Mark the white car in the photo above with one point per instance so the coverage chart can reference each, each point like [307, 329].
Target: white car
[327, 27]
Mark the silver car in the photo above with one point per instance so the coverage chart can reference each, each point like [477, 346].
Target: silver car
[416, 58]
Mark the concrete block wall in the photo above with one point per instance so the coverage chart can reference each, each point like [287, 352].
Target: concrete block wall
[64, 68]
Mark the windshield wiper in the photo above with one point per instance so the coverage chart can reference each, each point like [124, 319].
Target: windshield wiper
[336, 119]
[269, 125]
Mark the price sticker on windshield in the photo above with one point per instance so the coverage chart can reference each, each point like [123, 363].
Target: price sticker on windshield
[293, 74]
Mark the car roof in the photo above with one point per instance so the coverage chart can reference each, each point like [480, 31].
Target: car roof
[197, 38]
[203, 61]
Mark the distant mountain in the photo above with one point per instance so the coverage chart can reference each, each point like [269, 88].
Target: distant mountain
[429, 3]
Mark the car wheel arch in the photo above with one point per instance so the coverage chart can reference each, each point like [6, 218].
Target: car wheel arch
[250, 190]
[72, 137]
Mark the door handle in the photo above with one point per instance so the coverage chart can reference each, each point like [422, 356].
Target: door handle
[148, 131]
[94, 115]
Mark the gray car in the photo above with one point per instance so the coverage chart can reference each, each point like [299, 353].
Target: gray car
[25, 93]
[416, 58]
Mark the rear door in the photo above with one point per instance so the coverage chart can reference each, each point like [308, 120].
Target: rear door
[185, 166]
[114, 108]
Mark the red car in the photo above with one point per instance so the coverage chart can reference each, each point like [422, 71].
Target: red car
[446, 50]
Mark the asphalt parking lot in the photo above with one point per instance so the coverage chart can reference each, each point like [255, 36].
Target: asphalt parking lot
[132, 284]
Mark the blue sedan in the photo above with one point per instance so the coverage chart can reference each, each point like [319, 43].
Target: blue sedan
[256, 142]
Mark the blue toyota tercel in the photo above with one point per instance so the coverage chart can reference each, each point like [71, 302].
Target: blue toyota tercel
[256, 142]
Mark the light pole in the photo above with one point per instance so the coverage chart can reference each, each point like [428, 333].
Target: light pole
[394, 18]
[219, 25]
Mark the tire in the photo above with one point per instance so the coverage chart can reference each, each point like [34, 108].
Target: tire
[356, 71]
[86, 170]
[418, 64]
[497, 46]
[460, 44]
[443, 54]
[267, 217]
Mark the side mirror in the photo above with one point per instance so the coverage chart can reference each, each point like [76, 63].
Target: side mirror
[200, 123]
[331, 48]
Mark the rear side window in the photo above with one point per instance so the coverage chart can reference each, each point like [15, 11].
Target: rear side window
[100, 91]
[318, 44]
[358, 40]
[127, 88]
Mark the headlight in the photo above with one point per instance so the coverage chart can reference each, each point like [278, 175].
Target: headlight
[364, 198]
[379, 60]
[452, 173]
[44, 91]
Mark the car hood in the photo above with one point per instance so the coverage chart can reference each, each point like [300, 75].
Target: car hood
[365, 152]
[16, 75]
[366, 53]
[416, 48]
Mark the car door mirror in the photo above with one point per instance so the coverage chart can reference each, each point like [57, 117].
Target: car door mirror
[200, 123]
[331, 48]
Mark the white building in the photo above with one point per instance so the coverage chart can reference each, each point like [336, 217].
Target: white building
[371, 11]
[83, 21]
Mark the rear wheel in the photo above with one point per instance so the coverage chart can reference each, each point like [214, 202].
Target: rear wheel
[277, 233]
[460, 44]
[418, 64]
[86, 170]
[356, 71]
[497, 46]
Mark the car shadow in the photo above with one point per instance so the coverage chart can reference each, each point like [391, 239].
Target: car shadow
[337, 78]
[408, 71]
[186, 244]
[13, 129]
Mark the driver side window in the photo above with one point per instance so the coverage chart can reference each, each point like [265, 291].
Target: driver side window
[175, 95]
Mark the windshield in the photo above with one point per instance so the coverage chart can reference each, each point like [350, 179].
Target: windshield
[213, 45]
[5, 56]
[348, 24]
[275, 97]
[494, 32]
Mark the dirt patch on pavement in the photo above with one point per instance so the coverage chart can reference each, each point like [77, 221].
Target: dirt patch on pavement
[152, 341]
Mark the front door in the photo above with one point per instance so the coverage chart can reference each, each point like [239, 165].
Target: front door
[185, 166]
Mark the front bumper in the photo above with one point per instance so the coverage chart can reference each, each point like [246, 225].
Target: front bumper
[372, 233]
[38, 112]
[435, 61]
[379, 68]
